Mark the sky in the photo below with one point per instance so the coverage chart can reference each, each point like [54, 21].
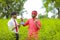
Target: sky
[31, 5]
[37, 5]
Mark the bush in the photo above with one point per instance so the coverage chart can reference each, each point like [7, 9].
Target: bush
[50, 29]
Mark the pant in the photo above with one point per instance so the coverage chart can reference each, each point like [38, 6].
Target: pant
[34, 36]
[17, 36]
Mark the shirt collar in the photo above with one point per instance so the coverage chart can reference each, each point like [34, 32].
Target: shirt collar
[13, 19]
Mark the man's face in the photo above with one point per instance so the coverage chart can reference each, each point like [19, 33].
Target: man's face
[33, 15]
[14, 16]
[21, 19]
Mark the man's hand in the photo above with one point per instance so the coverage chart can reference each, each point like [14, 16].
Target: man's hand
[18, 25]
[36, 23]
[13, 28]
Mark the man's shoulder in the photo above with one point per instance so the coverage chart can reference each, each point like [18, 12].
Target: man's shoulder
[10, 21]
[37, 19]
[29, 19]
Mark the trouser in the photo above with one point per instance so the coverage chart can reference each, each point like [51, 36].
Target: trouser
[33, 36]
[17, 36]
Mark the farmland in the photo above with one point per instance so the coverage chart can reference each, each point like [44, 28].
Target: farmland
[50, 30]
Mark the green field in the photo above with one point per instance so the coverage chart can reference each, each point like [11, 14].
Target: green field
[50, 30]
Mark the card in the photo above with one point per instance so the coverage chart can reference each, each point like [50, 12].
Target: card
[21, 23]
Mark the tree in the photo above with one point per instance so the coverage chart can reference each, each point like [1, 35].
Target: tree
[8, 6]
[42, 16]
[51, 4]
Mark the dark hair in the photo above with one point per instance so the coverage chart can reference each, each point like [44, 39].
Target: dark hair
[13, 13]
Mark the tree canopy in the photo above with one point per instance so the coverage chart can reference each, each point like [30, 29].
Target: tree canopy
[8, 6]
[50, 4]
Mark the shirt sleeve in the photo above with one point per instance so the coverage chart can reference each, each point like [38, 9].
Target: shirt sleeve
[10, 25]
[26, 23]
[39, 23]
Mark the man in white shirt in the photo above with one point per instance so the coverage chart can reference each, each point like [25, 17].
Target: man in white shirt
[13, 25]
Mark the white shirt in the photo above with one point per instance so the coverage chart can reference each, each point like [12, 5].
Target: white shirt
[11, 24]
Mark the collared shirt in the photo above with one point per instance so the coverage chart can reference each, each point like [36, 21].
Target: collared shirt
[11, 24]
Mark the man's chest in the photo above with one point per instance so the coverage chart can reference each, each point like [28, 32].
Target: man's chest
[13, 23]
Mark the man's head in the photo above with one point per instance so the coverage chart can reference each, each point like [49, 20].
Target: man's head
[34, 14]
[14, 15]
[21, 19]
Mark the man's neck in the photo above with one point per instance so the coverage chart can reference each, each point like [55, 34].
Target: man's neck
[13, 18]
[34, 18]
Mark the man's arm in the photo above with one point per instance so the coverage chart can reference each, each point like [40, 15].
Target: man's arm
[26, 23]
[13, 28]
[18, 24]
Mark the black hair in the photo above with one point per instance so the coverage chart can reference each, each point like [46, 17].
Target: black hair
[13, 13]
